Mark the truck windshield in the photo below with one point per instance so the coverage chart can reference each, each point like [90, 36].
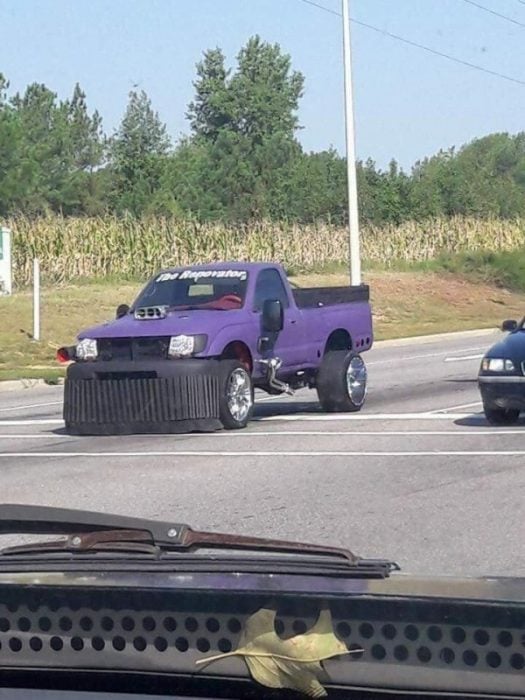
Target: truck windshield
[214, 289]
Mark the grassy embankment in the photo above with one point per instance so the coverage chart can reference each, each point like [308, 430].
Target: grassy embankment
[417, 288]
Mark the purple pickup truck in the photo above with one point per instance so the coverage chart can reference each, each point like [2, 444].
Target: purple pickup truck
[189, 352]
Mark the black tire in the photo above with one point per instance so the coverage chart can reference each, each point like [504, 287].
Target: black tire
[230, 419]
[501, 416]
[332, 386]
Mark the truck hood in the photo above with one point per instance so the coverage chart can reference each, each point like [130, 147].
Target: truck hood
[176, 322]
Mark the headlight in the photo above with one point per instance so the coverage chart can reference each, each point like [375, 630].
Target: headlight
[187, 345]
[497, 364]
[181, 345]
[87, 349]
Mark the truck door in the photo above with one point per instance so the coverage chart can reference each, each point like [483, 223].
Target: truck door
[290, 345]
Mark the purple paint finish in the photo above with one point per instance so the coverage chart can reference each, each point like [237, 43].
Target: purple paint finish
[300, 344]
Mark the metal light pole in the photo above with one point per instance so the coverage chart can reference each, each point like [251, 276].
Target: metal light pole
[353, 212]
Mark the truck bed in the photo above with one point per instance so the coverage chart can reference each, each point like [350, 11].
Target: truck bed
[328, 296]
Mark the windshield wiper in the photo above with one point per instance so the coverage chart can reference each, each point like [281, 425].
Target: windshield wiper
[90, 532]
[195, 307]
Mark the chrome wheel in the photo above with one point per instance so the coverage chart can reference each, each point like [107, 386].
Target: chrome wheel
[239, 395]
[356, 376]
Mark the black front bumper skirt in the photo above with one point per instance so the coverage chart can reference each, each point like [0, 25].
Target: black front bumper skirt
[507, 392]
[119, 398]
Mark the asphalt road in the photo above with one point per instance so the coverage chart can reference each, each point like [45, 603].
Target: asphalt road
[417, 475]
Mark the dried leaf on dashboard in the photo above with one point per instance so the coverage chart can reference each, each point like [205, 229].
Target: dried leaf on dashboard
[286, 663]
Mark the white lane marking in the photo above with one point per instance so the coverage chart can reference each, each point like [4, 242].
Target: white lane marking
[456, 408]
[462, 359]
[263, 397]
[26, 436]
[298, 417]
[322, 417]
[33, 405]
[302, 393]
[280, 453]
[420, 357]
[482, 432]
[32, 421]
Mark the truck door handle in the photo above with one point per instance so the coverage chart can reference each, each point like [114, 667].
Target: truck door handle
[293, 321]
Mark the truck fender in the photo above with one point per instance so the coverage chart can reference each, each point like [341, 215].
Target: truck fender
[338, 340]
[238, 350]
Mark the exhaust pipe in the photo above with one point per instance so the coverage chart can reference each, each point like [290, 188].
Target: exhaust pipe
[272, 366]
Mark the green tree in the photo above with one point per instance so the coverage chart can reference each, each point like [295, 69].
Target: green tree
[10, 143]
[58, 148]
[483, 178]
[211, 110]
[243, 144]
[84, 152]
[41, 165]
[138, 156]
[317, 188]
[260, 98]
[489, 172]
[265, 92]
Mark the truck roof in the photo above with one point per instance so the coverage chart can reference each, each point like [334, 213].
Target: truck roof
[230, 265]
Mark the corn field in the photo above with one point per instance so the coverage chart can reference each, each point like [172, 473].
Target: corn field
[70, 248]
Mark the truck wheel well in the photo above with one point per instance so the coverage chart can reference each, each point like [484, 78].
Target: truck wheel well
[237, 350]
[338, 340]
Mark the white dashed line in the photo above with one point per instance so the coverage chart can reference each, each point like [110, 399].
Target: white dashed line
[457, 408]
[34, 405]
[328, 417]
[47, 436]
[276, 397]
[33, 421]
[463, 358]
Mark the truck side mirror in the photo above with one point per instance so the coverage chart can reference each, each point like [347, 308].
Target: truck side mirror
[509, 326]
[122, 310]
[272, 316]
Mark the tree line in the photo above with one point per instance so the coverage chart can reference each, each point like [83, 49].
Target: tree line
[241, 161]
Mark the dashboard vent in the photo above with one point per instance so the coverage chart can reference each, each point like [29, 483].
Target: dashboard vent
[176, 638]
[415, 643]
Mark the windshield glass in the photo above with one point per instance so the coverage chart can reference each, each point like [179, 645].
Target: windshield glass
[223, 289]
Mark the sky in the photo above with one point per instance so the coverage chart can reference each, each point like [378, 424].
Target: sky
[408, 103]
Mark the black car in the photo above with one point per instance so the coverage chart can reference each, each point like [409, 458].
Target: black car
[502, 376]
